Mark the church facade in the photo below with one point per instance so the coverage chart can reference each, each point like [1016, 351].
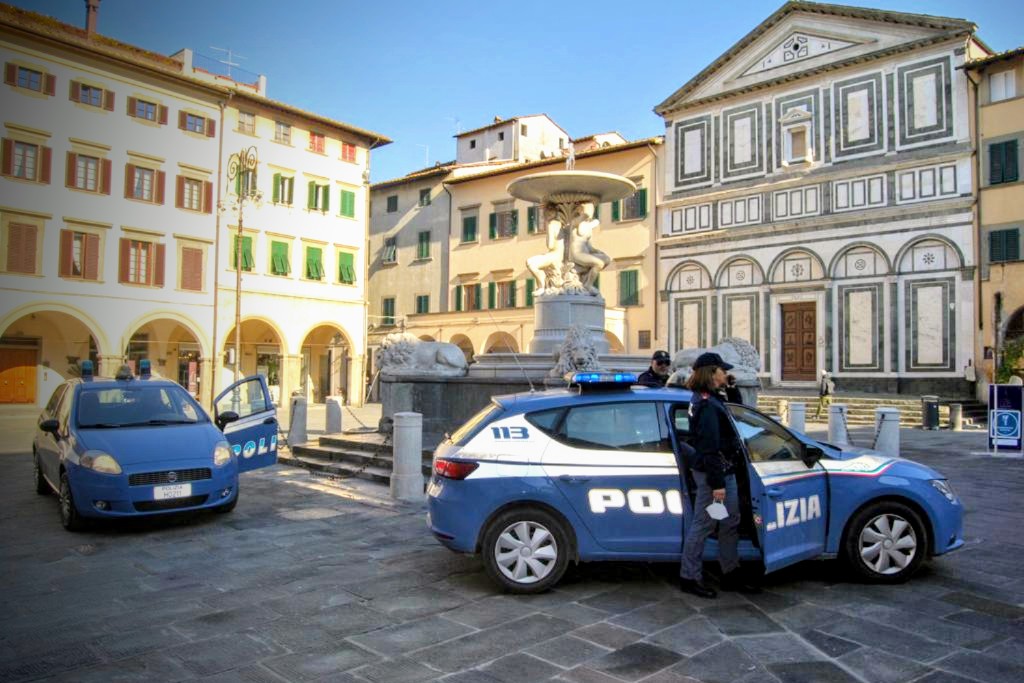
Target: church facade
[818, 197]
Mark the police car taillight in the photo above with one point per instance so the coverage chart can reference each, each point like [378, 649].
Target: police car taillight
[601, 380]
[454, 469]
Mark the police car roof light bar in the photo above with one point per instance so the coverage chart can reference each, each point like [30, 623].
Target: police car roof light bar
[601, 380]
[145, 369]
[87, 370]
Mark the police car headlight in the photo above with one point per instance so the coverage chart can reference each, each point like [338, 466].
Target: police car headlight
[943, 487]
[98, 461]
[221, 454]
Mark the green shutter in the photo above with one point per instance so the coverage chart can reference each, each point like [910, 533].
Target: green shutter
[314, 263]
[493, 225]
[615, 210]
[311, 195]
[469, 229]
[641, 200]
[512, 294]
[597, 210]
[1013, 244]
[248, 262]
[492, 295]
[531, 220]
[458, 297]
[628, 289]
[996, 247]
[291, 191]
[515, 222]
[277, 188]
[423, 247]
[1010, 166]
[279, 258]
[325, 191]
[346, 268]
[238, 185]
[348, 204]
[479, 296]
[529, 291]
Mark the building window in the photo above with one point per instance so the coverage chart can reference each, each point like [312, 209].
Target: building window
[387, 311]
[30, 79]
[194, 195]
[314, 263]
[346, 268]
[144, 184]
[392, 205]
[1004, 245]
[633, 207]
[247, 122]
[280, 264]
[423, 303]
[142, 263]
[469, 228]
[284, 189]
[390, 253]
[348, 204]
[643, 339]
[22, 243]
[501, 135]
[146, 110]
[425, 197]
[472, 144]
[192, 269]
[1002, 162]
[317, 142]
[504, 222]
[26, 160]
[282, 133]
[348, 152]
[87, 170]
[629, 288]
[26, 157]
[246, 183]
[501, 294]
[523, 129]
[531, 220]
[194, 123]
[90, 95]
[248, 262]
[1002, 86]
[467, 297]
[319, 197]
[79, 255]
[423, 245]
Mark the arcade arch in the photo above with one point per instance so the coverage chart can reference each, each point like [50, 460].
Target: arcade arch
[501, 342]
[465, 345]
[39, 350]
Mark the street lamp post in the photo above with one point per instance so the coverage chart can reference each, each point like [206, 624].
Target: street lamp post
[242, 168]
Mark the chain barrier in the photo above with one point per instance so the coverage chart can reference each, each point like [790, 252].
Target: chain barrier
[878, 428]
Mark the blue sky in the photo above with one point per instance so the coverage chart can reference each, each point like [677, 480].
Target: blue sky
[419, 71]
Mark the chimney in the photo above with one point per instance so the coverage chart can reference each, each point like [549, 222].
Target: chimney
[92, 11]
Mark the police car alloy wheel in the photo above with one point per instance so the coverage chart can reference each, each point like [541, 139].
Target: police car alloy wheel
[69, 516]
[42, 487]
[886, 542]
[526, 550]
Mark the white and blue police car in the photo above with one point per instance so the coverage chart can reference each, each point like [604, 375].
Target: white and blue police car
[589, 473]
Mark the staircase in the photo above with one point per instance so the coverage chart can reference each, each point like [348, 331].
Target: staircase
[343, 456]
[861, 409]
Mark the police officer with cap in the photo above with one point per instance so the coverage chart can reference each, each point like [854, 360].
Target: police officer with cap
[657, 374]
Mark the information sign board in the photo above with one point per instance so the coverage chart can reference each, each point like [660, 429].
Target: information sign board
[1005, 403]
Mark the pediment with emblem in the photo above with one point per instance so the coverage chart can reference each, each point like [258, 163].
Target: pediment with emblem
[795, 40]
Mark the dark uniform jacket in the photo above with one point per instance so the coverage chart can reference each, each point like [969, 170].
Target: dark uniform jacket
[649, 378]
[713, 439]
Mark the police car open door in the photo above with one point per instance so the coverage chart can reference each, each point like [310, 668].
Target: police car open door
[253, 435]
[789, 498]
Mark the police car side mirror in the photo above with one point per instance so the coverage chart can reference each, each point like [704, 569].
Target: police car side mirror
[226, 418]
[50, 426]
[812, 454]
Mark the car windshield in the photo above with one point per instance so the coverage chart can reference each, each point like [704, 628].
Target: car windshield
[135, 405]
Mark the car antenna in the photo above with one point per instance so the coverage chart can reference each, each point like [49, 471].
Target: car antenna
[515, 355]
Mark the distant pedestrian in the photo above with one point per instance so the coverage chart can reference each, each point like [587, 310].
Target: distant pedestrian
[657, 374]
[826, 390]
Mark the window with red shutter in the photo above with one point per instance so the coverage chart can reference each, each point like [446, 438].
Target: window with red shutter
[348, 152]
[159, 264]
[21, 248]
[192, 269]
[92, 257]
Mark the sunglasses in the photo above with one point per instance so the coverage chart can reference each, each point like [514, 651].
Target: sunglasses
[663, 362]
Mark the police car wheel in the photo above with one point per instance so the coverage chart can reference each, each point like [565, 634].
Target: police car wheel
[526, 550]
[42, 486]
[69, 517]
[886, 542]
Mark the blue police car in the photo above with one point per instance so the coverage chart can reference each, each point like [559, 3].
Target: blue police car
[535, 481]
[128, 446]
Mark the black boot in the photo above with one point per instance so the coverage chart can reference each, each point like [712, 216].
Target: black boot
[696, 588]
[734, 581]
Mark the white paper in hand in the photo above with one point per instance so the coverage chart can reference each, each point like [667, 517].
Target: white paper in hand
[717, 511]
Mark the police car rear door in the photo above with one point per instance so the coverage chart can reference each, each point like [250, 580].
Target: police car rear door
[613, 462]
[253, 436]
[789, 499]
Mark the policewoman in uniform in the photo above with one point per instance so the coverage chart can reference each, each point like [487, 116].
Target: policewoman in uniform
[713, 466]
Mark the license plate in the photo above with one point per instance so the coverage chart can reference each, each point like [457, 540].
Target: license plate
[173, 491]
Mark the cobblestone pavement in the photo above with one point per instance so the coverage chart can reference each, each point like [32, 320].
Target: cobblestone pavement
[314, 580]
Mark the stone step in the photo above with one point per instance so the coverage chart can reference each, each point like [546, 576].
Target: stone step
[339, 469]
[355, 458]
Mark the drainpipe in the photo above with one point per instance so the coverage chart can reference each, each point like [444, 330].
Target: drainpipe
[445, 254]
[216, 254]
[978, 251]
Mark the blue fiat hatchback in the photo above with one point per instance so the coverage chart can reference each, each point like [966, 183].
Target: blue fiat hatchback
[125, 447]
[535, 481]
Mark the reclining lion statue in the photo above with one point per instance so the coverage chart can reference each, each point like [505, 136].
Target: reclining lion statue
[404, 355]
[736, 351]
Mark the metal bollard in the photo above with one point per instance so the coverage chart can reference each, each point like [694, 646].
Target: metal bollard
[887, 431]
[407, 457]
[333, 415]
[297, 421]
[797, 416]
[956, 417]
[837, 431]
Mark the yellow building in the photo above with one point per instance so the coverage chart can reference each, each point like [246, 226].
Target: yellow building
[998, 87]
[113, 244]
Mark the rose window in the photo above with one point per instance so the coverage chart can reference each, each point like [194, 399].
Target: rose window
[741, 276]
[860, 264]
[929, 258]
[689, 279]
[797, 270]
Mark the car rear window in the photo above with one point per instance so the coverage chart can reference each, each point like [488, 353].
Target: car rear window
[546, 420]
[136, 404]
[473, 426]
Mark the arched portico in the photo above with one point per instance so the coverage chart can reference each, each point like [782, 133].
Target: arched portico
[174, 348]
[501, 342]
[465, 345]
[262, 353]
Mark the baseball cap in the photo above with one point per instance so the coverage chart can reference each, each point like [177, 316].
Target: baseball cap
[662, 356]
[711, 359]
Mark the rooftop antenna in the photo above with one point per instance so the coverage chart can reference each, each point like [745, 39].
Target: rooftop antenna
[515, 356]
[230, 55]
[457, 122]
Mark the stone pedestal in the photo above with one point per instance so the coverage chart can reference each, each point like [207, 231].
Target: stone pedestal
[556, 313]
